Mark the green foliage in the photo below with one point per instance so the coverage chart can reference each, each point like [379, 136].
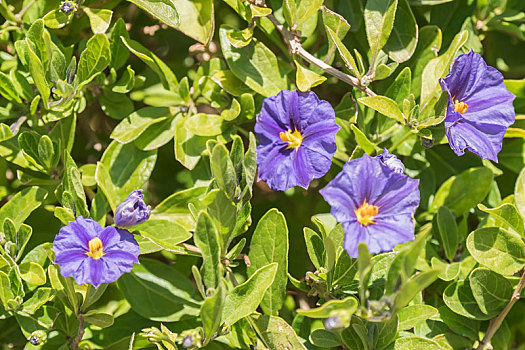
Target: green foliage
[163, 95]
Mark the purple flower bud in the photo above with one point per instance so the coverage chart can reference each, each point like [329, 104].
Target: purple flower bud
[67, 7]
[391, 161]
[187, 342]
[132, 211]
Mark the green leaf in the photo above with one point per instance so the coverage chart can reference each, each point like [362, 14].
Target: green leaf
[32, 273]
[379, 20]
[165, 10]
[211, 312]
[99, 19]
[255, 65]
[164, 233]
[416, 343]
[6, 293]
[229, 82]
[337, 24]
[222, 170]
[414, 285]
[124, 168]
[224, 213]
[362, 140]
[364, 264]
[8, 89]
[208, 241]
[166, 75]
[175, 207]
[306, 9]
[246, 297]
[347, 305]
[99, 319]
[403, 40]
[497, 249]
[461, 325]
[429, 40]
[93, 60]
[277, 333]
[458, 297]
[343, 51]
[519, 193]
[46, 151]
[385, 106]
[37, 300]
[157, 134]
[324, 339]
[387, 332]
[136, 123]
[492, 291]
[458, 194]
[306, 78]
[56, 19]
[507, 215]
[158, 292]
[270, 244]
[64, 287]
[22, 204]
[314, 247]
[448, 232]
[202, 124]
[240, 38]
[36, 68]
[448, 272]
[119, 51]
[413, 315]
[438, 67]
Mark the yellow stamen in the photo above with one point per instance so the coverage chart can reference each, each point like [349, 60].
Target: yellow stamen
[95, 248]
[294, 139]
[365, 214]
[460, 107]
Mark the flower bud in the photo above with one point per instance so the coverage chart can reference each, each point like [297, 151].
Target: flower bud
[153, 334]
[132, 211]
[187, 342]
[67, 7]
[331, 323]
[38, 337]
[391, 161]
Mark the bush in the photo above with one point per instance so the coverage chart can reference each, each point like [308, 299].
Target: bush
[280, 175]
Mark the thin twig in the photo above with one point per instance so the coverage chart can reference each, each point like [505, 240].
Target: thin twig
[74, 343]
[495, 323]
[295, 47]
[24, 10]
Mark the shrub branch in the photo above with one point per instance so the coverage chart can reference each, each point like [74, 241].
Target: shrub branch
[495, 323]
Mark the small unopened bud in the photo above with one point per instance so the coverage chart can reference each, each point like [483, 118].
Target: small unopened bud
[187, 342]
[331, 323]
[38, 337]
[427, 143]
[132, 211]
[391, 161]
[154, 335]
[67, 7]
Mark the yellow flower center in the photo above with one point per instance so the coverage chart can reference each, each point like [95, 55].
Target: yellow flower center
[294, 139]
[365, 214]
[95, 248]
[460, 107]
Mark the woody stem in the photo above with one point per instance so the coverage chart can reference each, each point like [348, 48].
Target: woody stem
[495, 323]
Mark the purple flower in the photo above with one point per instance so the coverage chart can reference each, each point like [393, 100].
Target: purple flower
[296, 133]
[132, 211]
[92, 254]
[374, 203]
[479, 109]
[391, 161]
